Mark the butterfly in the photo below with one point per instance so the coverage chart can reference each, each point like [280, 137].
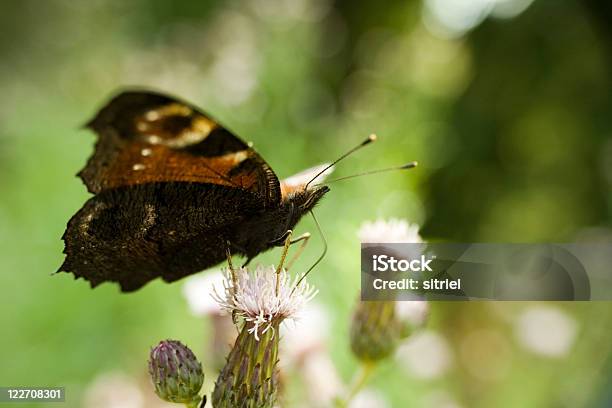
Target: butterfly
[174, 191]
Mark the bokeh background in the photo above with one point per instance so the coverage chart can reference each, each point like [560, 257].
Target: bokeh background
[506, 104]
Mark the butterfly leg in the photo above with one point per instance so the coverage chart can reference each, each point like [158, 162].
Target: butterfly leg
[304, 240]
[280, 241]
[283, 256]
[228, 254]
[239, 249]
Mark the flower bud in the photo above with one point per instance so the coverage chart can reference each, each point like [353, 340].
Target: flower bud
[176, 373]
[250, 378]
[375, 330]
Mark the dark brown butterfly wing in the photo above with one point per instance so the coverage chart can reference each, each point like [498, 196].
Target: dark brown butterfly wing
[146, 137]
[172, 186]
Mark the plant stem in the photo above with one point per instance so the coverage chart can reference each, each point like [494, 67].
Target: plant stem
[360, 380]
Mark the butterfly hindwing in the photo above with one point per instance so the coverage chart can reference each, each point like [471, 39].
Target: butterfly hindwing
[131, 235]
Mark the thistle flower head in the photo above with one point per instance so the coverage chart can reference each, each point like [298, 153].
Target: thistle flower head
[391, 231]
[378, 327]
[176, 372]
[263, 297]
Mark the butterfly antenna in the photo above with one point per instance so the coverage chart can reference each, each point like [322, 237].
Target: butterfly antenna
[406, 166]
[366, 142]
[320, 256]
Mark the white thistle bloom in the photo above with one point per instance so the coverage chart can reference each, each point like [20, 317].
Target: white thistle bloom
[196, 291]
[254, 297]
[391, 231]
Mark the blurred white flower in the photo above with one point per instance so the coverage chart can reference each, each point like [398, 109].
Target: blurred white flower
[306, 333]
[425, 354]
[224, 334]
[113, 390]
[303, 348]
[197, 290]
[263, 296]
[369, 398]
[391, 231]
[413, 312]
[453, 18]
[546, 330]
[322, 382]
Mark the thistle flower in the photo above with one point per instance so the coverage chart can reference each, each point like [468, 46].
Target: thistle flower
[375, 330]
[392, 231]
[263, 299]
[176, 373]
[378, 326]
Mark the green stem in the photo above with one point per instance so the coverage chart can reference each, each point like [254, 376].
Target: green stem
[367, 368]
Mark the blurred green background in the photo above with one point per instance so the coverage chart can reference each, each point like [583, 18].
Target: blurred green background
[506, 104]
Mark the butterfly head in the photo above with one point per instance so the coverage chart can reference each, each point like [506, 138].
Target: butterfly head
[299, 194]
[305, 200]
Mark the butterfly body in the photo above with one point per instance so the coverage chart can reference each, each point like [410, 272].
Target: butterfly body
[173, 191]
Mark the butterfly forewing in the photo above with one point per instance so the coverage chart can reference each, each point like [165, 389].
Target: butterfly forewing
[145, 137]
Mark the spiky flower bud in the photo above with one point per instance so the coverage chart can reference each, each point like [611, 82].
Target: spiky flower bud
[176, 373]
[375, 330]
